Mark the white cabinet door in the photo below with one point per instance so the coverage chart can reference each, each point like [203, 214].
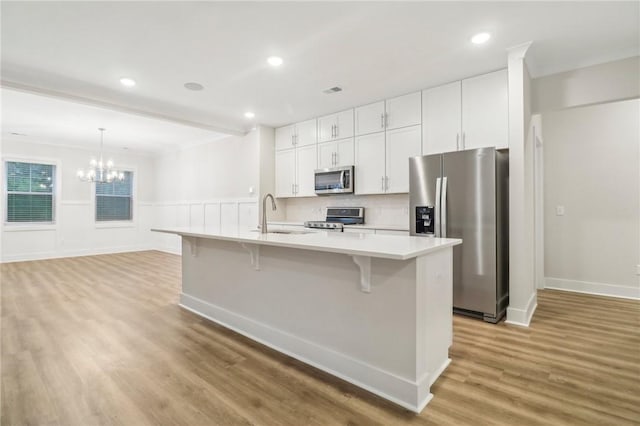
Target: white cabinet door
[370, 118]
[306, 133]
[327, 155]
[335, 126]
[285, 137]
[335, 154]
[401, 144]
[285, 172]
[370, 159]
[326, 127]
[441, 119]
[485, 111]
[404, 111]
[344, 124]
[307, 163]
[344, 152]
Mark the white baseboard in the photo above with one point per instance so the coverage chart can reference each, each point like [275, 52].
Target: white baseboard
[600, 289]
[522, 317]
[72, 253]
[411, 395]
[169, 250]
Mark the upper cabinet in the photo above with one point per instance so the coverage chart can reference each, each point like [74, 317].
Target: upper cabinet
[306, 133]
[370, 118]
[295, 171]
[441, 118]
[403, 111]
[471, 113]
[485, 111]
[299, 134]
[285, 137]
[379, 138]
[394, 113]
[335, 153]
[335, 126]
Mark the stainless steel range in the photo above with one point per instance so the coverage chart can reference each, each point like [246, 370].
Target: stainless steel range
[337, 217]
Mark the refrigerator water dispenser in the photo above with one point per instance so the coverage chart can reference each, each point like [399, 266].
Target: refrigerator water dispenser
[424, 220]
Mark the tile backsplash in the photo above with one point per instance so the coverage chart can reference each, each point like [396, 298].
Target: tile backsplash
[379, 209]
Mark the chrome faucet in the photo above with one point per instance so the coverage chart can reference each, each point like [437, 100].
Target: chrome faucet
[263, 228]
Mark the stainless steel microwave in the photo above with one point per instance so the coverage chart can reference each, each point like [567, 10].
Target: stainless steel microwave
[336, 180]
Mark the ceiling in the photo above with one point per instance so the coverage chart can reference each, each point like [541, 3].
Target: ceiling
[55, 121]
[373, 50]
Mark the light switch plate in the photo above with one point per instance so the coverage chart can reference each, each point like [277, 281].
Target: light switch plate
[559, 210]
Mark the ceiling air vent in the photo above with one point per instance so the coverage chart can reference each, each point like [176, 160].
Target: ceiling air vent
[331, 90]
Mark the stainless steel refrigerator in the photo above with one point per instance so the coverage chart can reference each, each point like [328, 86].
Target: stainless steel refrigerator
[464, 194]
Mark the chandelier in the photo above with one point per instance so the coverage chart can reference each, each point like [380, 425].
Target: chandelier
[98, 170]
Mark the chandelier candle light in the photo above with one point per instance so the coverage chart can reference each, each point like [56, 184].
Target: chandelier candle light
[99, 171]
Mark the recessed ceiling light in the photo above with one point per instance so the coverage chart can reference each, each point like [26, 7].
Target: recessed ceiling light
[127, 82]
[480, 38]
[192, 85]
[249, 114]
[274, 61]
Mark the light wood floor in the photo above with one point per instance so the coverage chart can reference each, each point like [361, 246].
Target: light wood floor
[101, 340]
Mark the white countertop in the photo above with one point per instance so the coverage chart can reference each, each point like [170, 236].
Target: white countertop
[363, 226]
[382, 246]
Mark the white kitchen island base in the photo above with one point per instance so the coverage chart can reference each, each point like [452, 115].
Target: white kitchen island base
[382, 324]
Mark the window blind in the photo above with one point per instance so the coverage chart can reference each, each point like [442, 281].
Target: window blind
[114, 201]
[30, 192]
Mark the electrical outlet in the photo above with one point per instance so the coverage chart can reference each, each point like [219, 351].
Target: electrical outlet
[559, 210]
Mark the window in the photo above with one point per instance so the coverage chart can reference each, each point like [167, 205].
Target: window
[114, 201]
[30, 192]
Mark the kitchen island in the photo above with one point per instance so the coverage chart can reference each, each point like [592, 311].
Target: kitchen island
[374, 310]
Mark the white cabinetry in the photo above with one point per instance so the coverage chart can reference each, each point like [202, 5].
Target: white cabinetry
[285, 172]
[285, 137]
[306, 163]
[335, 126]
[400, 145]
[466, 114]
[394, 113]
[403, 111]
[441, 118]
[335, 154]
[299, 134]
[370, 162]
[382, 156]
[382, 160]
[294, 171]
[485, 111]
[370, 118]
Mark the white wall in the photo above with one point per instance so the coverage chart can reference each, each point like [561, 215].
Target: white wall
[607, 82]
[208, 185]
[522, 291]
[75, 231]
[592, 168]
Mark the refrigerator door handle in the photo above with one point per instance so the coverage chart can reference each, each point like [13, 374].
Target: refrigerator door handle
[437, 212]
[443, 214]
